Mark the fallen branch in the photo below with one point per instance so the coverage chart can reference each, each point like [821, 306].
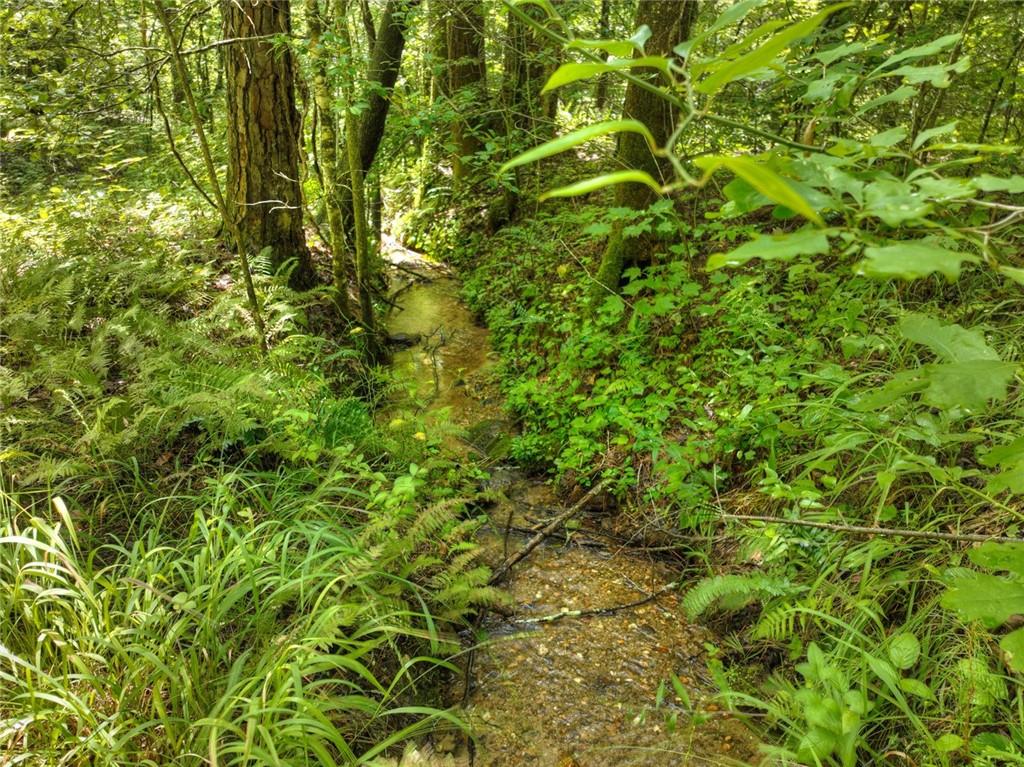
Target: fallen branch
[604, 610]
[536, 541]
[883, 531]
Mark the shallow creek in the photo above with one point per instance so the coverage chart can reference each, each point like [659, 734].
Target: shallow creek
[544, 690]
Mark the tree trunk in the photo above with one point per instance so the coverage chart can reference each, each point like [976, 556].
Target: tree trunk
[263, 192]
[671, 24]
[385, 63]
[328, 146]
[361, 243]
[604, 32]
[467, 79]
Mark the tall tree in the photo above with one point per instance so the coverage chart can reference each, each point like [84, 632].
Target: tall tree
[467, 79]
[670, 24]
[263, 192]
[328, 141]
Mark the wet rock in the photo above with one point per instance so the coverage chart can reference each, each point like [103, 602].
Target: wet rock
[404, 340]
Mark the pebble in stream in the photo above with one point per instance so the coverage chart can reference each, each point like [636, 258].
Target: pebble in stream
[579, 690]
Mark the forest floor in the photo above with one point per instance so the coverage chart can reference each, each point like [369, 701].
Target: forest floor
[576, 671]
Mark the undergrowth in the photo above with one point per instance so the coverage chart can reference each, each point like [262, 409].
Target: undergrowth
[206, 556]
[797, 392]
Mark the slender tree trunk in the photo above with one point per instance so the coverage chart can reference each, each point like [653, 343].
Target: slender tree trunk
[604, 32]
[670, 23]
[328, 156]
[467, 79]
[1009, 69]
[263, 192]
[382, 73]
[356, 176]
[437, 87]
[211, 174]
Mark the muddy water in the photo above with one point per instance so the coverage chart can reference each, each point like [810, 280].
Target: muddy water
[547, 690]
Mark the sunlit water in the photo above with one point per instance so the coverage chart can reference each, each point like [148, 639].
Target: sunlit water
[574, 691]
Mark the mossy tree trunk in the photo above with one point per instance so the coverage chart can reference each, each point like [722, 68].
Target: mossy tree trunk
[382, 73]
[467, 79]
[264, 197]
[328, 144]
[670, 23]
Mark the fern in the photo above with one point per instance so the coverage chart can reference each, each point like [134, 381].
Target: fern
[734, 591]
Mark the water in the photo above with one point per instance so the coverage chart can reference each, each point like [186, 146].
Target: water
[575, 690]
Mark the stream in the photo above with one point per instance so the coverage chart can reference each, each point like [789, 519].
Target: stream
[548, 689]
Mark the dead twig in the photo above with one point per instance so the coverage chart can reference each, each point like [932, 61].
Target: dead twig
[536, 541]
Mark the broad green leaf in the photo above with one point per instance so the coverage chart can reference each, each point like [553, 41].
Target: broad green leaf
[904, 650]
[779, 247]
[902, 93]
[894, 202]
[1007, 557]
[822, 89]
[947, 743]
[764, 180]
[987, 183]
[920, 51]
[950, 343]
[1015, 274]
[968, 385]
[924, 136]
[889, 138]
[734, 13]
[600, 182]
[912, 261]
[619, 48]
[764, 54]
[936, 75]
[917, 688]
[945, 189]
[577, 137]
[572, 72]
[1013, 648]
[837, 52]
[988, 598]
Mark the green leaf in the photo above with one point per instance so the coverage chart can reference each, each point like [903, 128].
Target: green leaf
[968, 385]
[889, 138]
[987, 183]
[951, 343]
[894, 201]
[904, 650]
[764, 180]
[984, 597]
[947, 743]
[912, 261]
[1015, 274]
[936, 75]
[1008, 557]
[600, 182]
[924, 136]
[902, 93]
[763, 54]
[734, 13]
[572, 72]
[577, 137]
[779, 247]
[920, 51]
[618, 48]
[917, 688]
[1013, 647]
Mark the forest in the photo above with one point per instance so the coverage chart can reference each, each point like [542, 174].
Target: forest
[485, 383]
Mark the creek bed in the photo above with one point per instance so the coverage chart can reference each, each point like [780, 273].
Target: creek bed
[563, 691]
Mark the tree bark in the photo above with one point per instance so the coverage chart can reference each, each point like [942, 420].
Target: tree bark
[670, 23]
[382, 73]
[328, 141]
[604, 32]
[263, 191]
[467, 79]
